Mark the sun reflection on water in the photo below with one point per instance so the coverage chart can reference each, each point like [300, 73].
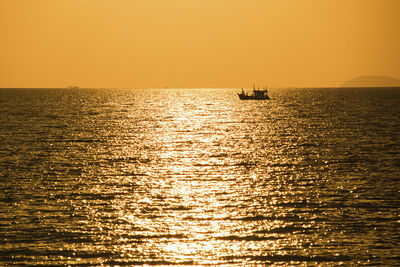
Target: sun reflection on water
[163, 177]
[199, 200]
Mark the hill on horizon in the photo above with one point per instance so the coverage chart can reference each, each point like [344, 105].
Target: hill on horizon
[372, 81]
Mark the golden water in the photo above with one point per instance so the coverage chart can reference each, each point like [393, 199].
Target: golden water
[122, 177]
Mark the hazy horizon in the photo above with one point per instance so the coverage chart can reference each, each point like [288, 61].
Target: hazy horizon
[196, 44]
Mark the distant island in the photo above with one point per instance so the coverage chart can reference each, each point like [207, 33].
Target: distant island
[372, 81]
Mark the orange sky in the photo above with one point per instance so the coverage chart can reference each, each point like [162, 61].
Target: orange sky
[196, 43]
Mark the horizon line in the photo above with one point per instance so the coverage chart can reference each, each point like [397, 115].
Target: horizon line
[180, 88]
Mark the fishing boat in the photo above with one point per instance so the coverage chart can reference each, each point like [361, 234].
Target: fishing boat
[257, 94]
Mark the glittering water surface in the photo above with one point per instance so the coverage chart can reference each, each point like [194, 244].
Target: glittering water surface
[119, 177]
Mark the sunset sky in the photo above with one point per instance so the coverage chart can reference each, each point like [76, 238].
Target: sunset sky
[196, 43]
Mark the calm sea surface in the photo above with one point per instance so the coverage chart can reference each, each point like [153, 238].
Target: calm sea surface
[123, 177]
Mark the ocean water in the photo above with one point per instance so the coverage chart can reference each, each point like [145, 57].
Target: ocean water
[197, 177]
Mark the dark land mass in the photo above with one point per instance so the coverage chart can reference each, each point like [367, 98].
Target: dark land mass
[372, 81]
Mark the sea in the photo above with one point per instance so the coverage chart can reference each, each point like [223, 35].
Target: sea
[121, 177]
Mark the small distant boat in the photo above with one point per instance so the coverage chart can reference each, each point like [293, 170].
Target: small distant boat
[257, 94]
[72, 87]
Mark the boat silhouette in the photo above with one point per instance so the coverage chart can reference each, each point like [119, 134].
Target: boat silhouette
[74, 87]
[257, 94]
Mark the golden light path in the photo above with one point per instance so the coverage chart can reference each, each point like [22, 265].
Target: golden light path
[196, 201]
